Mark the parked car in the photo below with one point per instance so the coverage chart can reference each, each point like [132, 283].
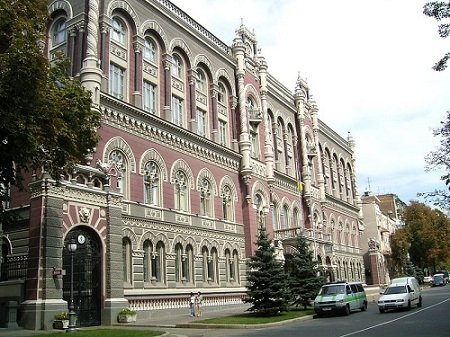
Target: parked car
[428, 279]
[340, 297]
[402, 293]
[438, 280]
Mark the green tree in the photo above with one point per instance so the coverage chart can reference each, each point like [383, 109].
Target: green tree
[440, 10]
[266, 280]
[303, 281]
[400, 243]
[429, 231]
[47, 119]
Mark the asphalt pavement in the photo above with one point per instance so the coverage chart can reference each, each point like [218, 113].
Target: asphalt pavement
[169, 318]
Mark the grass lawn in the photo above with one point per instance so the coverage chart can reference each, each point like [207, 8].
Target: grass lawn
[108, 332]
[257, 318]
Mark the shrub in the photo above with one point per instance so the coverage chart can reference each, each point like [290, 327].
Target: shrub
[127, 311]
[63, 315]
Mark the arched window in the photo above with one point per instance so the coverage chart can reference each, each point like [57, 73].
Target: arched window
[119, 162]
[148, 250]
[188, 265]
[179, 262]
[235, 267]
[118, 33]
[222, 94]
[206, 202]
[275, 216]
[259, 205]
[177, 67]
[252, 111]
[213, 266]
[59, 32]
[181, 191]
[222, 107]
[227, 203]
[205, 258]
[159, 263]
[150, 50]
[127, 261]
[228, 266]
[152, 184]
[285, 217]
[201, 81]
[296, 218]
[154, 262]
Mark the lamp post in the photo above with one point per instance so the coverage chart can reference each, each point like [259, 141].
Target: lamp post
[72, 247]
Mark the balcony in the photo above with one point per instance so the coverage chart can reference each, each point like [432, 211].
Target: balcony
[255, 116]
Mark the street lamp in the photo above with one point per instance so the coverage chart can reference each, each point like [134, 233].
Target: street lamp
[72, 247]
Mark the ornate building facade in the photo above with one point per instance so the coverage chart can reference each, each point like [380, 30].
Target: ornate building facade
[382, 217]
[199, 147]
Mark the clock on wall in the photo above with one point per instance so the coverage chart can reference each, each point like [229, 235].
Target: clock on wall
[81, 239]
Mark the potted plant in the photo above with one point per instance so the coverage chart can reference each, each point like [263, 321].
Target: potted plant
[127, 315]
[61, 320]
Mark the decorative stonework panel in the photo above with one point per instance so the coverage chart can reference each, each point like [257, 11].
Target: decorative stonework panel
[153, 213]
[119, 52]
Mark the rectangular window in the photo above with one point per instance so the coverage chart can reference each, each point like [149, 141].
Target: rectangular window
[116, 75]
[149, 97]
[177, 111]
[201, 122]
[222, 133]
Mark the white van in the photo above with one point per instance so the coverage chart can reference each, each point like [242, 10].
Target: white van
[340, 297]
[403, 292]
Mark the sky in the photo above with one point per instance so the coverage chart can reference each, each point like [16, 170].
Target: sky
[369, 68]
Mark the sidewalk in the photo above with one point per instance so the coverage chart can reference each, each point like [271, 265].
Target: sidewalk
[170, 318]
[160, 319]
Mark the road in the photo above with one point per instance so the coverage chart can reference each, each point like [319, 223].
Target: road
[431, 320]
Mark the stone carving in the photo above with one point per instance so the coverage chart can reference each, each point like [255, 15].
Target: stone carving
[84, 214]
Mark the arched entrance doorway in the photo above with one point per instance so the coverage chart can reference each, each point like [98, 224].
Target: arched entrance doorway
[86, 275]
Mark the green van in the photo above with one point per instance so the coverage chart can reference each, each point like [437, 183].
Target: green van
[340, 297]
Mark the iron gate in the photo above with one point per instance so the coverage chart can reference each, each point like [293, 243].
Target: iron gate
[86, 276]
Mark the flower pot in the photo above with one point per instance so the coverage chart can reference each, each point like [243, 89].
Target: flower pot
[123, 318]
[60, 324]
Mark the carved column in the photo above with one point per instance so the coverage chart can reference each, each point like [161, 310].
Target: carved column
[244, 139]
[90, 74]
[192, 106]
[320, 180]
[137, 93]
[104, 54]
[268, 146]
[167, 62]
[214, 115]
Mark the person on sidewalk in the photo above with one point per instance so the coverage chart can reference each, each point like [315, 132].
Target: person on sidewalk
[198, 303]
[192, 304]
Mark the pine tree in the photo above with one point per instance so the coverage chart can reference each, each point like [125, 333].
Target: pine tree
[303, 281]
[266, 279]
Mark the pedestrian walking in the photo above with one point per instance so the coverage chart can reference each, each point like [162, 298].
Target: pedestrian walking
[192, 304]
[198, 303]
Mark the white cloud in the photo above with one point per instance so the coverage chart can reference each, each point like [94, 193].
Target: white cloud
[368, 64]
